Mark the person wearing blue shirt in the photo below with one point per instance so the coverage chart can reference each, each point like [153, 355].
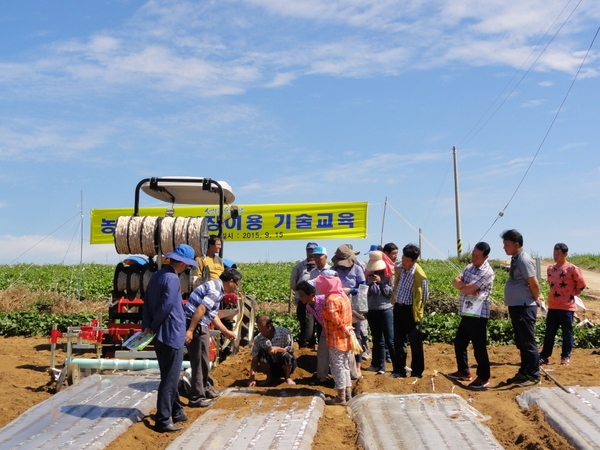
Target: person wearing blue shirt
[163, 315]
[202, 309]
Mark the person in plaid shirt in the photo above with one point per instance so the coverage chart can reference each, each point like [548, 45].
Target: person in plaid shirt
[411, 291]
[337, 322]
[475, 286]
[272, 353]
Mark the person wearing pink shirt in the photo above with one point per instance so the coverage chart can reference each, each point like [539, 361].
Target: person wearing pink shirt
[566, 281]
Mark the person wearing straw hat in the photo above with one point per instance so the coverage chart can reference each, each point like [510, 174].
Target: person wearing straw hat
[380, 316]
[411, 291]
[163, 315]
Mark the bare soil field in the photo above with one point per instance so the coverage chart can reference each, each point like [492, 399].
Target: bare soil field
[24, 382]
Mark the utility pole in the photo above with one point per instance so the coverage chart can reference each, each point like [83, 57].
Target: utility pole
[383, 221]
[80, 248]
[457, 204]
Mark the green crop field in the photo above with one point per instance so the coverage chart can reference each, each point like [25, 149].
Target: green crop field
[33, 297]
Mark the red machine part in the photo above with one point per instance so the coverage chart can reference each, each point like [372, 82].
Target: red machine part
[230, 300]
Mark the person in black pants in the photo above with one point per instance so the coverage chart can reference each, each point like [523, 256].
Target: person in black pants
[163, 315]
[301, 272]
[411, 291]
[475, 286]
[522, 296]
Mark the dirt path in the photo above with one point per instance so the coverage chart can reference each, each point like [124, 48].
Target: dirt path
[24, 382]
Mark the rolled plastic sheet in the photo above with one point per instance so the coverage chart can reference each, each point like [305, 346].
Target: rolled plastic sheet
[119, 364]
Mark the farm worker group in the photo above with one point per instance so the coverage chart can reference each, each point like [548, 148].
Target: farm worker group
[334, 306]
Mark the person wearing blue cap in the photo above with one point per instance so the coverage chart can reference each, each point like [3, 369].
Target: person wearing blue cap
[301, 272]
[163, 315]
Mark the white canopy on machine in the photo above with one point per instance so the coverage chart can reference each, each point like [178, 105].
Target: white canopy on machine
[188, 192]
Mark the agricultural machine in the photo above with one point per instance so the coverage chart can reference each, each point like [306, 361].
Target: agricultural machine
[146, 239]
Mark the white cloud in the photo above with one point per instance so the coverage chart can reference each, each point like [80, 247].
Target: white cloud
[572, 145]
[545, 83]
[533, 103]
[211, 49]
[376, 168]
[282, 79]
[42, 142]
[37, 249]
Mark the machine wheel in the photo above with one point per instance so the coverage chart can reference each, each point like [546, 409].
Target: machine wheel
[247, 328]
[73, 374]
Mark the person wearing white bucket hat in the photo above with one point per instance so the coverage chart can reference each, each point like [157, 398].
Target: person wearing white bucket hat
[380, 315]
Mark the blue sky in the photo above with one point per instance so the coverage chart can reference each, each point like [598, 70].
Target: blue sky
[303, 101]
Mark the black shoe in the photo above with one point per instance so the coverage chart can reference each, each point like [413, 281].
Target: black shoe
[182, 418]
[202, 403]
[171, 428]
[317, 382]
[211, 394]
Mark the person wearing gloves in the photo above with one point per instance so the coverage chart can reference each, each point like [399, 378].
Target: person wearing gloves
[337, 322]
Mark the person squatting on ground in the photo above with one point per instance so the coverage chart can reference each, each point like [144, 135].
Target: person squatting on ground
[411, 291]
[163, 315]
[301, 272]
[272, 353]
[306, 292]
[566, 281]
[352, 276]
[202, 309]
[522, 296]
[475, 286]
[337, 321]
[380, 315]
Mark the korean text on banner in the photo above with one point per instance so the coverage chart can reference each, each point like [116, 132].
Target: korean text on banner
[255, 222]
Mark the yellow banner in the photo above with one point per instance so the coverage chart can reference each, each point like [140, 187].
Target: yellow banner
[255, 222]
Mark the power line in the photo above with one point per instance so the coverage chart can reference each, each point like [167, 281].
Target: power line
[461, 144]
[446, 261]
[501, 213]
[44, 238]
